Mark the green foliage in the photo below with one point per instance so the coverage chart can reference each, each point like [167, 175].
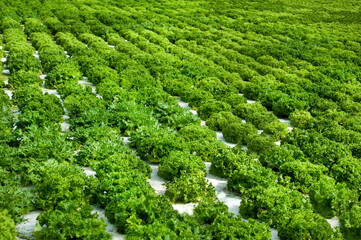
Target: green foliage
[114, 183]
[56, 182]
[229, 227]
[98, 74]
[195, 97]
[348, 170]
[330, 198]
[128, 116]
[96, 150]
[6, 123]
[136, 76]
[219, 121]
[243, 110]
[261, 119]
[155, 230]
[152, 96]
[287, 105]
[192, 187]
[22, 96]
[207, 211]
[51, 56]
[41, 39]
[43, 143]
[302, 174]
[254, 113]
[82, 134]
[13, 198]
[234, 99]
[70, 219]
[207, 108]
[300, 118]
[174, 115]
[34, 25]
[178, 163]
[154, 143]
[62, 73]
[205, 148]
[225, 162]
[85, 109]
[7, 226]
[54, 25]
[196, 132]
[146, 207]
[339, 134]
[350, 223]
[250, 176]
[301, 224]
[297, 59]
[69, 88]
[214, 86]
[40, 109]
[98, 28]
[269, 98]
[318, 148]
[272, 204]
[183, 227]
[24, 79]
[5, 99]
[239, 132]
[17, 61]
[122, 163]
[16, 41]
[110, 91]
[9, 22]
[277, 130]
[252, 90]
[261, 144]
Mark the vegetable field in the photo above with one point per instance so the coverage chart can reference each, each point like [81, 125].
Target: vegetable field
[202, 119]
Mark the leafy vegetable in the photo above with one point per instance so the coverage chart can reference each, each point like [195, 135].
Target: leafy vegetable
[330, 198]
[277, 130]
[350, 223]
[300, 118]
[147, 207]
[301, 224]
[192, 187]
[250, 176]
[96, 150]
[13, 198]
[69, 220]
[178, 163]
[228, 227]
[302, 174]
[62, 73]
[207, 108]
[196, 132]
[207, 211]
[348, 170]
[272, 204]
[221, 120]
[24, 78]
[129, 116]
[225, 162]
[239, 132]
[154, 143]
[7, 226]
[56, 182]
[261, 144]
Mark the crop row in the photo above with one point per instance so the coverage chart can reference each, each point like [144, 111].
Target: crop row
[70, 201]
[319, 158]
